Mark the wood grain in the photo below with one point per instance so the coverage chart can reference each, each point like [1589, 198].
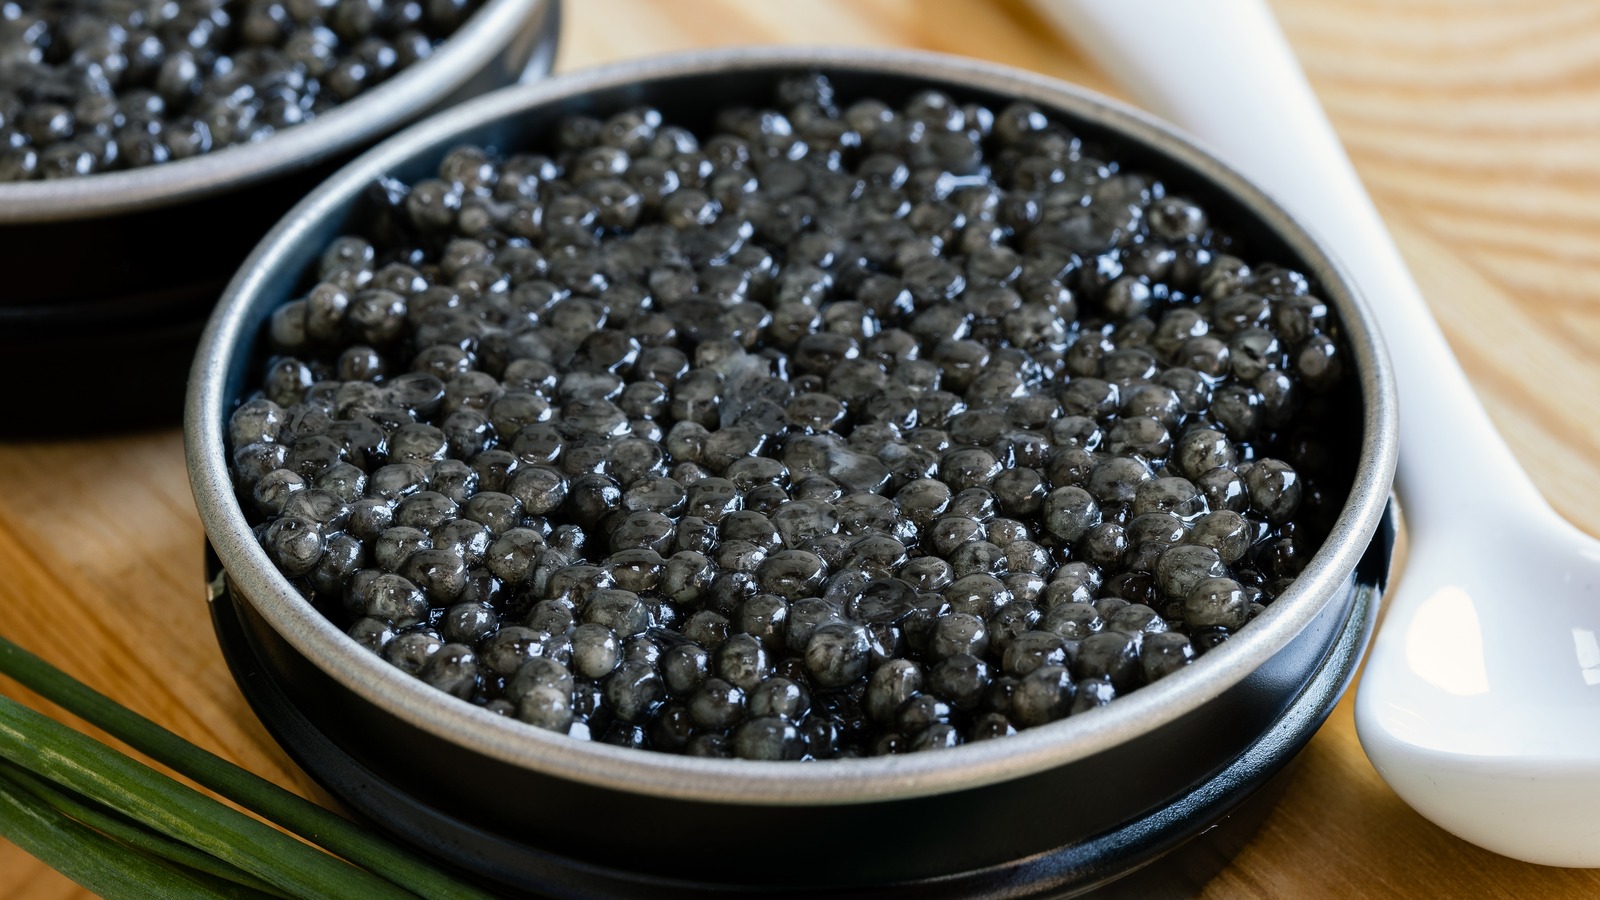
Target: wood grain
[1476, 125]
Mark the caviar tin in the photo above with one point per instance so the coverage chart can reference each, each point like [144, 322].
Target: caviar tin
[1057, 808]
[110, 277]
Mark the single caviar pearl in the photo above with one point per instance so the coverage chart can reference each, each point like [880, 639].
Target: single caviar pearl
[1043, 696]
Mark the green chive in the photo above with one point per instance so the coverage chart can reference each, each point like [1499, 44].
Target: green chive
[56, 752]
[121, 829]
[93, 860]
[293, 812]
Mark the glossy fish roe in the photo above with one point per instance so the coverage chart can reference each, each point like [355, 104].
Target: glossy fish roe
[839, 427]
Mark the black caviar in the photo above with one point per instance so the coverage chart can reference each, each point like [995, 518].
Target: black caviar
[834, 429]
[92, 86]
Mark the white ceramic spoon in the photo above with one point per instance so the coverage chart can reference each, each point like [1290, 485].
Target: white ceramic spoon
[1480, 704]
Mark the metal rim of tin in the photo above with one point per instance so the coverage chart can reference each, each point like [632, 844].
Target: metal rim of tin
[485, 35]
[744, 782]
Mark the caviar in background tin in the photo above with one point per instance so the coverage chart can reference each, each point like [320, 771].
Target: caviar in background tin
[92, 86]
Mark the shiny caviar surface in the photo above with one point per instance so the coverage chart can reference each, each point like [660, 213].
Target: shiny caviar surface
[91, 86]
[836, 428]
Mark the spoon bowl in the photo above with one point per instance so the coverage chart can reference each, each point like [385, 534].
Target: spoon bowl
[1480, 704]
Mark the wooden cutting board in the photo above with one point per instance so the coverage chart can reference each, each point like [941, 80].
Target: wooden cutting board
[1476, 124]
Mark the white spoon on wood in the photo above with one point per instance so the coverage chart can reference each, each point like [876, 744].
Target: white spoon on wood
[1480, 703]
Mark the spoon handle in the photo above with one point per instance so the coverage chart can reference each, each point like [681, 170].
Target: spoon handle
[1223, 70]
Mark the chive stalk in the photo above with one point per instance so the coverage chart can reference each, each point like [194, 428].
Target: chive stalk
[291, 811]
[130, 833]
[55, 752]
[97, 862]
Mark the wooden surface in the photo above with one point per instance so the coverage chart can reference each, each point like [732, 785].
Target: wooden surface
[1476, 124]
